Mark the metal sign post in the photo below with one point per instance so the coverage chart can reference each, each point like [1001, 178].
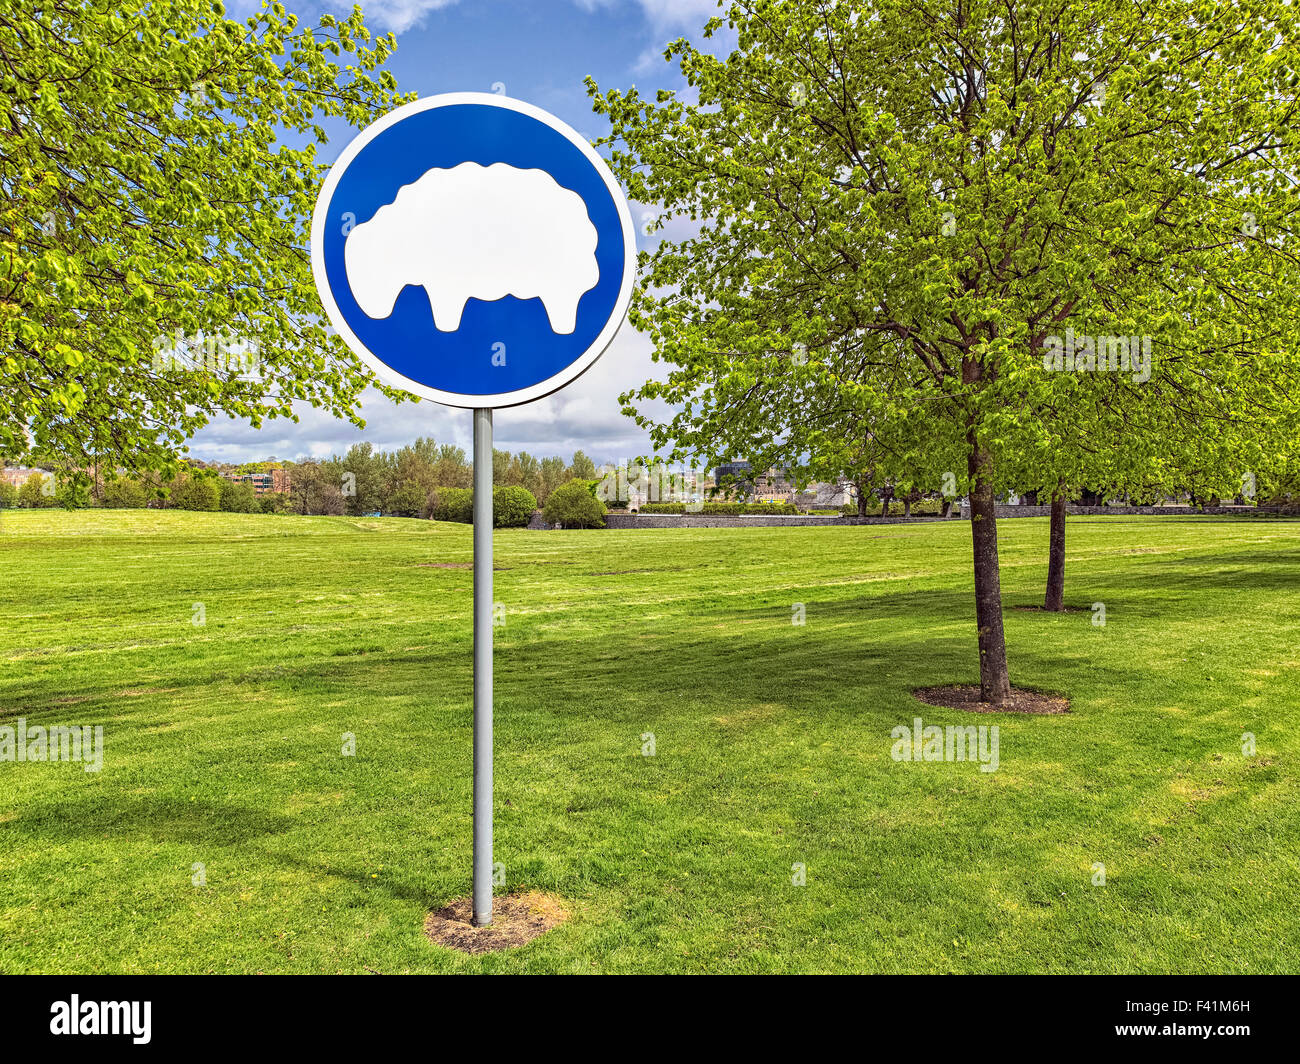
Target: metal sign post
[476, 251]
[482, 667]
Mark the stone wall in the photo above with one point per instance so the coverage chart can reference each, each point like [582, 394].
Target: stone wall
[622, 520]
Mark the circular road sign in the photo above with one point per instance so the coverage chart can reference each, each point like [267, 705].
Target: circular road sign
[474, 250]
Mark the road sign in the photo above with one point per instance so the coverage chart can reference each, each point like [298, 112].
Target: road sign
[476, 251]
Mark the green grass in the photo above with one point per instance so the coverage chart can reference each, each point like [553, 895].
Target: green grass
[222, 746]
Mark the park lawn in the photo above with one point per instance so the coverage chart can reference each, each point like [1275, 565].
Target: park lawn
[772, 747]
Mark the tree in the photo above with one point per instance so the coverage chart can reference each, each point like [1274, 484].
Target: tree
[901, 204]
[554, 473]
[193, 492]
[37, 492]
[153, 228]
[573, 505]
[362, 479]
[530, 472]
[408, 500]
[316, 488]
[582, 467]
[125, 493]
[237, 497]
[452, 469]
[8, 495]
[512, 506]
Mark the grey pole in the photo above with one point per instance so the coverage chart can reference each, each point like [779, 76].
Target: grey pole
[482, 667]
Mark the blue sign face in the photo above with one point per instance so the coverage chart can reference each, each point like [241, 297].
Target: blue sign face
[474, 250]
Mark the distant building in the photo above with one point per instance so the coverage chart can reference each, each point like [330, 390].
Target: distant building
[276, 482]
[734, 478]
[822, 496]
[19, 475]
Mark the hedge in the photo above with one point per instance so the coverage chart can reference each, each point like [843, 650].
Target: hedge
[512, 506]
[723, 509]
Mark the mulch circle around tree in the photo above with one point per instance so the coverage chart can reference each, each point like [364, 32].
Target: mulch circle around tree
[516, 919]
[967, 697]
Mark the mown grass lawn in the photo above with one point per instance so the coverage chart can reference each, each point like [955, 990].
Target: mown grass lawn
[223, 746]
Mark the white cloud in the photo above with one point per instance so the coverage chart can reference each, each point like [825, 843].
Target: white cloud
[665, 14]
[396, 15]
[585, 416]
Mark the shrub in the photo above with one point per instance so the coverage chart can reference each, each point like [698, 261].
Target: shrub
[451, 504]
[8, 495]
[512, 507]
[38, 491]
[574, 506]
[407, 501]
[722, 509]
[238, 497]
[125, 494]
[273, 503]
[196, 493]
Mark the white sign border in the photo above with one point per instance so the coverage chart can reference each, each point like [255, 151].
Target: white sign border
[391, 376]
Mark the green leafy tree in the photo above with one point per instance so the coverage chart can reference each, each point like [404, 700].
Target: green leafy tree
[574, 505]
[553, 473]
[452, 469]
[38, 491]
[512, 506]
[8, 495]
[237, 497]
[897, 205]
[193, 492]
[451, 504]
[582, 467]
[154, 220]
[408, 500]
[362, 478]
[125, 493]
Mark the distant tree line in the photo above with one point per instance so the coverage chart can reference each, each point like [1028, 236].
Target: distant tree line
[401, 483]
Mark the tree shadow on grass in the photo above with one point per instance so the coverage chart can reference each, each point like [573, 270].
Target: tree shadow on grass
[167, 820]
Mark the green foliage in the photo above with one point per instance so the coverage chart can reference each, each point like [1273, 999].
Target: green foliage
[38, 491]
[159, 173]
[582, 468]
[273, 503]
[8, 495]
[194, 492]
[452, 504]
[903, 205]
[512, 506]
[574, 505]
[73, 491]
[125, 493]
[237, 497]
[408, 500]
[722, 509]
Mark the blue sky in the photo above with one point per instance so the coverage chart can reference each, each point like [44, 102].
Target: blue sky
[540, 51]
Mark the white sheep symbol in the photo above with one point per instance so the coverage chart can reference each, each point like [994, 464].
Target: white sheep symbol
[481, 232]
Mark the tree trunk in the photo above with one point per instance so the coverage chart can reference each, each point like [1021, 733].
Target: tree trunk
[1055, 600]
[995, 683]
[907, 507]
[862, 500]
[884, 506]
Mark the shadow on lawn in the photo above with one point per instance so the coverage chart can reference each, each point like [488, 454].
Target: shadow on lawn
[167, 820]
